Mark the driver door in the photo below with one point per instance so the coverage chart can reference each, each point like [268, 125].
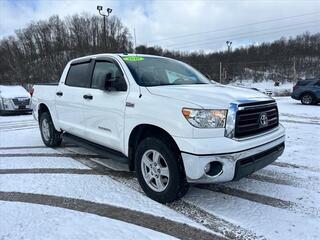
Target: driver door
[104, 111]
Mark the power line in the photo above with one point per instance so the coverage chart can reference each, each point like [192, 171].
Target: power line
[248, 62]
[237, 38]
[233, 27]
[245, 33]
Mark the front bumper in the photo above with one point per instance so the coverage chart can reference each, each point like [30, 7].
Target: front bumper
[235, 165]
[16, 111]
[295, 96]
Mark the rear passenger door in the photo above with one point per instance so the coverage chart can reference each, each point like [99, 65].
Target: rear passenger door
[70, 97]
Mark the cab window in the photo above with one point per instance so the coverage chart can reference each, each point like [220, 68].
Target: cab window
[78, 75]
[103, 70]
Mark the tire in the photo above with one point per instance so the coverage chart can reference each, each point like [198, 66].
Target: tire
[50, 136]
[173, 180]
[307, 99]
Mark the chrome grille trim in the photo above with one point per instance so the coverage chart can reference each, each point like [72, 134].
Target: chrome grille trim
[246, 109]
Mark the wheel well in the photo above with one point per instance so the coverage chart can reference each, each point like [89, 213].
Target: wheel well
[307, 92]
[42, 108]
[146, 130]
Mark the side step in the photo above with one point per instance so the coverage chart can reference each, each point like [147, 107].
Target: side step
[101, 150]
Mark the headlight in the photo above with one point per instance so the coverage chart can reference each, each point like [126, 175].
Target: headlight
[6, 101]
[205, 118]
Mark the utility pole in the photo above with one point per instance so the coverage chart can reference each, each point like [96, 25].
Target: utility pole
[109, 10]
[220, 71]
[294, 70]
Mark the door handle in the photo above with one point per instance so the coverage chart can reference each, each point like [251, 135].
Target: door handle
[59, 94]
[88, 97]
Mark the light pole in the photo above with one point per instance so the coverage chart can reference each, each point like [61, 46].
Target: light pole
[109, 10]
[229, 43]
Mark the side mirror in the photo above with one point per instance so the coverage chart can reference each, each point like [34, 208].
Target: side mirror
[113, 84]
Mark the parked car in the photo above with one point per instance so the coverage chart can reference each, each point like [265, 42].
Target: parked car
[14, 99]
[308, 91]
[163, 118]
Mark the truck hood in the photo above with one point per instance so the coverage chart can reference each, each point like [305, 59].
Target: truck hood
[13, 92]
[208, 95]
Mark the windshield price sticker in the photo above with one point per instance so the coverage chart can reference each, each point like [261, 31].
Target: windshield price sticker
[133, 59]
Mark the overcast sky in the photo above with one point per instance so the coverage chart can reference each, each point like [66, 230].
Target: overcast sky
[181, 24]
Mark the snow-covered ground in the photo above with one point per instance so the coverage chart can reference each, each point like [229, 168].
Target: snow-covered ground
[284, 89]
[62, 194]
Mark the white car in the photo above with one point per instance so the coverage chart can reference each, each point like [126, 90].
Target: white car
[162, 117]
[14, 99]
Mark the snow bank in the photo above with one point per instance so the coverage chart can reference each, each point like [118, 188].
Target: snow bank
[284, 89]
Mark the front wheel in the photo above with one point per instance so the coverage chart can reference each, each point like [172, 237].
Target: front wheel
[50, 136]
[160, 171]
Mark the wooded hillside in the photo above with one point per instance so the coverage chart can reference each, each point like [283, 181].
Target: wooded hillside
[39, 52]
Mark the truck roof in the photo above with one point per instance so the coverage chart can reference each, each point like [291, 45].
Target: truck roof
[113, 55]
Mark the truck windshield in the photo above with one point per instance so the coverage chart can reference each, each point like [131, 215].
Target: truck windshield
[156, 71]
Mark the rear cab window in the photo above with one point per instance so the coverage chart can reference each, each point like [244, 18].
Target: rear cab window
[303, 83]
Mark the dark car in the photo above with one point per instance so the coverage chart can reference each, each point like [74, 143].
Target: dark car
[308, 91]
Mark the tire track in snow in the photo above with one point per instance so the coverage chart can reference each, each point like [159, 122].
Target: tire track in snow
[291, 165]
[17, 129]
[212, 222]
[288, 181]
[70, 155]
[300, 122]
[262, 199]
[142, 219]
[208, 220]
[49, 170]
[298, 116]
[31, 147]
[17, 123]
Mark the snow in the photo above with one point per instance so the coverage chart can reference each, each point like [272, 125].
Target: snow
[13, 92]
[284, 88]
[10, 135]
[93, 188]
[291, 109]
[16, 119]
[304, 197]
[39, 162]
[270, 222]
[32, 221]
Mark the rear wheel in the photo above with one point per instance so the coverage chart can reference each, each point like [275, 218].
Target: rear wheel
[160, 171]
[50, 136]
[307, 99]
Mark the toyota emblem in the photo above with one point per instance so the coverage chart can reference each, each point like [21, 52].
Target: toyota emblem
[263, 119]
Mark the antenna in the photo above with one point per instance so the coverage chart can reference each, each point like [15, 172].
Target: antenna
[135, 52]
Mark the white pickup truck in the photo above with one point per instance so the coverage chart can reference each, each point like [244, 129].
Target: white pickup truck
[163, 118]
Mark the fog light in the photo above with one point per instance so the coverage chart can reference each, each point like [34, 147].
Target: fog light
[213, 168]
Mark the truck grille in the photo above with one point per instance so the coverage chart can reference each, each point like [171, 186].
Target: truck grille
[21, 102]
[255, 118]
